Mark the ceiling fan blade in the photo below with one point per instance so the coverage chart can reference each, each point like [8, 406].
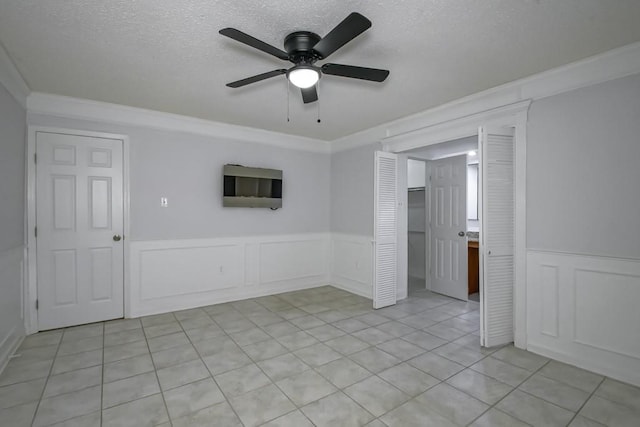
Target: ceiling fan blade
[352, 26]
[254, 42]
[309, 94]
[363, 73]
[256, 78]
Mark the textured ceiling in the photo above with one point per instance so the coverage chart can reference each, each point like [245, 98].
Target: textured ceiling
[167, 55]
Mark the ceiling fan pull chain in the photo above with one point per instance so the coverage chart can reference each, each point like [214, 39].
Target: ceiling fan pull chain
[318, 102]
[288, 90]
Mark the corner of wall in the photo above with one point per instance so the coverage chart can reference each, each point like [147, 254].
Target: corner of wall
[351, 263]
[12, 80]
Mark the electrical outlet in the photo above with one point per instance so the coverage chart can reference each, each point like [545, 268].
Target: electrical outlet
[164, 202]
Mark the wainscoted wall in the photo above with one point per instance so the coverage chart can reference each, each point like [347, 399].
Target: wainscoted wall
[583, 310]
[168, 275]
[11, 307]
[351, 266]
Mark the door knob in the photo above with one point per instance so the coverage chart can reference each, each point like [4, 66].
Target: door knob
[461, 233]
[116, 238]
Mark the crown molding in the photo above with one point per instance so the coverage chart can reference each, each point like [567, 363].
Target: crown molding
[617, 63]
[610, 65]
[360, 139]
[11, 78]
[84, 109]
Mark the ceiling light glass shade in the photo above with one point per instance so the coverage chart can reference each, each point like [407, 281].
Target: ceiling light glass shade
[303, 77]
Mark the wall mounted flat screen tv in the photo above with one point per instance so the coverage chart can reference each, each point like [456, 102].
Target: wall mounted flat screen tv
[252, 187]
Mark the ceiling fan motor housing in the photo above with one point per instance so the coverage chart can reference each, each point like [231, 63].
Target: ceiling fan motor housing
[299, 45]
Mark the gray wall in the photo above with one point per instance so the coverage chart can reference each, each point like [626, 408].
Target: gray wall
[187, 169]
[12, 210]
[352, 190]
[583, 171]
[12, 152]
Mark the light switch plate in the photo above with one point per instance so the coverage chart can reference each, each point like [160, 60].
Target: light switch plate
[164, 202]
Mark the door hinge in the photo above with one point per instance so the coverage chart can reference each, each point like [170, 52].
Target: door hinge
[37, 304]
[35, 158]
[35, 231]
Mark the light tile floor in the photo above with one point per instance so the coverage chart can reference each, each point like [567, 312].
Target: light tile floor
[318, 357]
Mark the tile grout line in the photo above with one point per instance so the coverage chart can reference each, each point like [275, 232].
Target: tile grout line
[296, 408]
[587, 400]
[314, 369]
[53, 361]
[465, 367]
[311, 368]
[207, 367]
[406, 361]
[155, 370]
[514, 388]
[102, 378]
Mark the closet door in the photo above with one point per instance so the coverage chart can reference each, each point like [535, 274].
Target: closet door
[385, 232]
[80, 222]
[497, 236]
[448, 227]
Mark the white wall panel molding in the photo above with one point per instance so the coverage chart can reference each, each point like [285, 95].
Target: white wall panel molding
[11, 79]
[352, 263]
[84, 109]
[614, 64]
[169, 275]
[12, 326]
[583, 310]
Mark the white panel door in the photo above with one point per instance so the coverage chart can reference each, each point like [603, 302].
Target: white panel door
[497, 236]
[385, 233]
[449, 226]
[80, 221]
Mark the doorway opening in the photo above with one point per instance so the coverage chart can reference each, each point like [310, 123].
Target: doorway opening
[442, 219]
[501, 216]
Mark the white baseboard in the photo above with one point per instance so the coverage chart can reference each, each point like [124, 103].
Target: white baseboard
[582, 310]
[356, 289]
[623, 373]
[172, 275]
[11, 316]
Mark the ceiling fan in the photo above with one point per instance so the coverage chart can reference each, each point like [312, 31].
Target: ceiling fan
[303, 49]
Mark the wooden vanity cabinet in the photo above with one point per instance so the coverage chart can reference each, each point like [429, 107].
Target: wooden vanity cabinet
[474, 268]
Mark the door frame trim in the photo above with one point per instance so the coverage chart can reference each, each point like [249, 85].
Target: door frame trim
[31, 283]
[511, 115]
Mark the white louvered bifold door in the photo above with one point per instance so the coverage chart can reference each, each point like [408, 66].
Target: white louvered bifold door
[497, 236]
[385, 230]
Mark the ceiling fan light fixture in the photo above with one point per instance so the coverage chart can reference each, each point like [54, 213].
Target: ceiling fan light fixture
[303, 76]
